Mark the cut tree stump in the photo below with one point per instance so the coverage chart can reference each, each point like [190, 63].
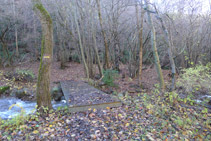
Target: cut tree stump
[80, 97]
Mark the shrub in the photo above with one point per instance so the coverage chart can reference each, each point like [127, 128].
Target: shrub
[20, 75]
[16, 121]
[4, 88]
[125, 57]
[109, 77]
[75, 58]
[196, 79]
[25, 73]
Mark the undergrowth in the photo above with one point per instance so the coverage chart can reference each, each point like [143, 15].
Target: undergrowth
[196, 78]
[25, 73]
[109, 77]
[176, 118]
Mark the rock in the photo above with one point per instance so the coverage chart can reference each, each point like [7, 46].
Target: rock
[3, 89]
[22, 93]
[56, 94]
[101, 83]
[62, 98]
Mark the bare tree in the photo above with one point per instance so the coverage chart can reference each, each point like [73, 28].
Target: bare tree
[169, 44]
[154, 47]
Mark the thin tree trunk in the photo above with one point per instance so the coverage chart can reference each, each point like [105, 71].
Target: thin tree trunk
[35, 39]
[16, 32]
[140, 40]
[16, 42]
[96, 51]
[43, 83]
[107, 66]
[173, 68]
[154, 48]
[81, 46]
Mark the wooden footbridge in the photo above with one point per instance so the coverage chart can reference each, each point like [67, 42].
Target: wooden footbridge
[80, 97]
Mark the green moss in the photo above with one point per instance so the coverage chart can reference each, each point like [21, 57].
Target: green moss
[44, 12]
[41, 63]
[4, 88]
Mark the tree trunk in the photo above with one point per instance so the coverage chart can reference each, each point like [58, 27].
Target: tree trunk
[35, 39]
[16, 42]
[96, 51]
[81, 46]
[140, 40]
[168, 42]
[16, 31]
[43, 83]
[154, 48]
[106, 65]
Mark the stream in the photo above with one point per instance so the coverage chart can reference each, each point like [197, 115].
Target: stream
[28, 106]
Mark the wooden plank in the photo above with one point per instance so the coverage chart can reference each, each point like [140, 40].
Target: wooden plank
[95, 106]
[81, 97]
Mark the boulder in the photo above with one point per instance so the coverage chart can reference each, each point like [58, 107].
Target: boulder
[57, 94]
[22, 94]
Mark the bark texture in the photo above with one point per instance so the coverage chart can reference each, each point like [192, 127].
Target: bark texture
[154, 48]
[43, 83]
[168, 42]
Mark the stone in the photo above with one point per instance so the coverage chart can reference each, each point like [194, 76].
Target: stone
[56, 94]
[22, 93]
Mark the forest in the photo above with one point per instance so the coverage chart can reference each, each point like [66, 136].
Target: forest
[105, 70]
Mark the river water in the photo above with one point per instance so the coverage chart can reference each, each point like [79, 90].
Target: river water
[29, 107]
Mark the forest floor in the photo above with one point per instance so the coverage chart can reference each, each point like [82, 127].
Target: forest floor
[146, 113]
[74, 71]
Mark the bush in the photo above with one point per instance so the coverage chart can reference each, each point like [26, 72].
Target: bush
[20, 75]
[4, 88]
[25, 73]
[125, 58]
[196, 79]
[109, 77]
[75, 58]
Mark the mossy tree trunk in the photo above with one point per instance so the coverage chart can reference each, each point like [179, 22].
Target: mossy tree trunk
[154, 47]
[43, 83]
[169, 45]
